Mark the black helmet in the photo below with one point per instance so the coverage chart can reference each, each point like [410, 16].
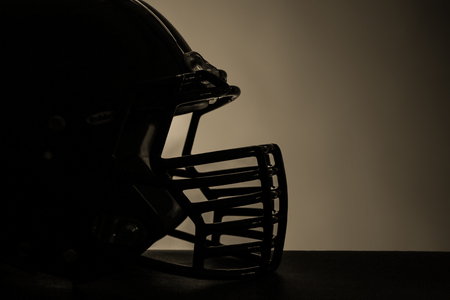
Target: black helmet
[89, 91]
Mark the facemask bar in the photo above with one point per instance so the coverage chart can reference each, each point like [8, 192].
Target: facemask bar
[264, 225]
[254, 223]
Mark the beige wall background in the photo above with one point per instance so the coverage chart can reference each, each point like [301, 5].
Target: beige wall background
[356, 93]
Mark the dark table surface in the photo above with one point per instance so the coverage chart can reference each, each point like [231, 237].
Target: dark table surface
[302, 275]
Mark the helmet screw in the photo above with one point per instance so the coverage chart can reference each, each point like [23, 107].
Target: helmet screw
[70, 255]
[56, 123]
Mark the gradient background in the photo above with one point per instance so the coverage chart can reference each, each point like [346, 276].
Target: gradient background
[356, 93]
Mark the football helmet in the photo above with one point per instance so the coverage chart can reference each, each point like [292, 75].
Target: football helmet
[90, 89]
